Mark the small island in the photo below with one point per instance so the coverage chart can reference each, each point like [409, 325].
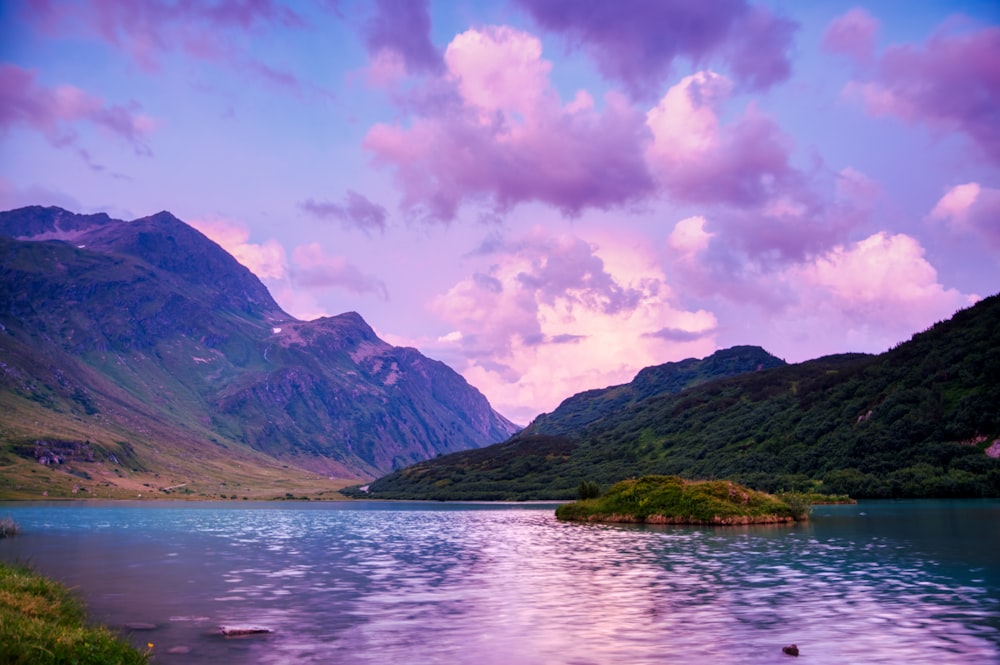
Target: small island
[674, 500]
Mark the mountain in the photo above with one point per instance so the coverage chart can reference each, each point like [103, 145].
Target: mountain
[518, 468]
[593, 405]
[145, 341]
[922, 419]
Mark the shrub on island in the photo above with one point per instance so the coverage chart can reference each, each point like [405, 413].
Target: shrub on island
[674, 500]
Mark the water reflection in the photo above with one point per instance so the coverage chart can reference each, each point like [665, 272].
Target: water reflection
[412, 583]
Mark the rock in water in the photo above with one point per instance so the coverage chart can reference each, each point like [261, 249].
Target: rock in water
[237, 631]
[790, 650]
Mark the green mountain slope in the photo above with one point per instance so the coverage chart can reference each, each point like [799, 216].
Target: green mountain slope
[593, 405]
[145, 341]
[920, 420]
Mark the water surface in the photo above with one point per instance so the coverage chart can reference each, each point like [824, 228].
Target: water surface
[505, 584]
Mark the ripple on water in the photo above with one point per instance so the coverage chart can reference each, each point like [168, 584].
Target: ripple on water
[449, 584]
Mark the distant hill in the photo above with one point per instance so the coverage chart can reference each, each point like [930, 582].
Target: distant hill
[593, 405]
[922, 419]
[145, 341]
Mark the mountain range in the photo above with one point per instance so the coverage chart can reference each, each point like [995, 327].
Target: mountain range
[140, 358]
[920, 420]
[141, 350]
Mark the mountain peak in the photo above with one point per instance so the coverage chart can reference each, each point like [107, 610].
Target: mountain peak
[161, 218]
[200, 353]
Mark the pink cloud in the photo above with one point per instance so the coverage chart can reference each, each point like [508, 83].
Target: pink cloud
[552, 315]
[502, 136]
[699, 160]
[951, 83]
[147, 31]
[637, 42]
[852, 34]
[312, 269]
[55, 112]
[971, 208]
[864, 295]
[266, 260]
[883, 283]
[356, 212]
[401, 28]
[689, 237]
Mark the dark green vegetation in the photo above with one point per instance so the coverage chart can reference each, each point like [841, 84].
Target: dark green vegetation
[140, 358]
[587, 407]
[673, 500]
[42, 623]
[921, 420]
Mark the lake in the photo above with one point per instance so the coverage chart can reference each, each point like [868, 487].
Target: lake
[506, 584]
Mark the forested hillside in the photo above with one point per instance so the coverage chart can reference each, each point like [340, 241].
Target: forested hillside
[922, 419]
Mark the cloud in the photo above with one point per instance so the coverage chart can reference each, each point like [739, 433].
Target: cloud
[699, 160]
[881, 286]
[56, 112]
[294, 282]
[313, 269]
[267, 260]
[971, 207]
[356, 212]
[637, 43]
[852, 34]
[149, 31]
[865, 295]
[689, 237]
[554, 315]
[399, 35]
[951, 83]
[499, 134]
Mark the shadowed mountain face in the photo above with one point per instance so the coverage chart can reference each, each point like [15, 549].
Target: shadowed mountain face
[145, 336]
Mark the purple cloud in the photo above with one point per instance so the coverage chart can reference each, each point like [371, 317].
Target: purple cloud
[637, 42]
[313, 269]
[852, 34]
[356, 212]
[971, 208]
[680, 335]
[403, 27]
[697, 159]
[54, 112]
[504, 137]
[149, 30]
[568, 269]
[950, 83]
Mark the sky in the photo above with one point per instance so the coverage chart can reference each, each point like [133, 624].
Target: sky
[546, 195]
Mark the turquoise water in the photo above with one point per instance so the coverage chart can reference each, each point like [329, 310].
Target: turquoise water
[365, 582]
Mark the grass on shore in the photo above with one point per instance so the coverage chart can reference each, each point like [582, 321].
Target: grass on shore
[42, 623]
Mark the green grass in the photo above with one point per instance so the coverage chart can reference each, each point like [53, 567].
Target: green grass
[673, 500]
[42, 623]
